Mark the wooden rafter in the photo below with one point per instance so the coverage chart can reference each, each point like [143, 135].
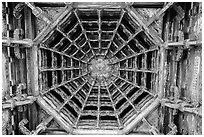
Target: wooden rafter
[115, 31]
[84, 31]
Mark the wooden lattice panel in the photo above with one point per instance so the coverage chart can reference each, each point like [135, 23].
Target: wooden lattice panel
[98, 68]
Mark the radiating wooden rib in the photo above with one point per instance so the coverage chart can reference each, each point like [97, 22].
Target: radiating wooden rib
[98, 105]
[135, 85]
[72, 41]
[139, 70]
[43, 47]
[85, 102]
[112, 103]
[135, 108]
[99, 30]
[83, 30]
[61, 68]
[131, 38]
[64, 83]
[135, 55]
[72, 96]
[115, 31]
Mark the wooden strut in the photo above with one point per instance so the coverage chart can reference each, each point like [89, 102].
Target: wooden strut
[38, 12]
[185, 44]
[14, 102]
[160, 13]
[183, 106]
[153, 129]
[41, 127]
[44, 105]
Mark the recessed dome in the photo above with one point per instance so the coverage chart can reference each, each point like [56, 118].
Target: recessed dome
[98, 68]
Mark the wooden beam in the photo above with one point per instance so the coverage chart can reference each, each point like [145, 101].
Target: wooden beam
[161, 69]
[82, 109]
[138, 118]
[137, 18]
[160, 13]
[38, 12]
[59, 119]
[99, 5]
[84, 31]
[25, 42]
[96, 132]
[148, 4]
[11, 103]
[115, 31]
[65, 12]
[183, 43]
[42, 126]
[30, 34]
[114, 107]
[50, 4]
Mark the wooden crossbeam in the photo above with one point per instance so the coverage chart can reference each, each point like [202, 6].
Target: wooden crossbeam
[114, 32]
[62, 84]
[38, 12]
[82, 109]
[65, 12]
[9, 41]
[83, 30]
[114, 107]
[79, 88]
[146, 25]
[160, 13]
[137, 18]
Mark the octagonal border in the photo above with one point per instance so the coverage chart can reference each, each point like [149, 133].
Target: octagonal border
[135, 119]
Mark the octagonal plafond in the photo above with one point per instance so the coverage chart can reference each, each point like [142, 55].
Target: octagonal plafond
[98, 71]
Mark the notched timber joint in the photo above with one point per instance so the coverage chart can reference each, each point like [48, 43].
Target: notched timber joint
[183, 106]
[18, 100]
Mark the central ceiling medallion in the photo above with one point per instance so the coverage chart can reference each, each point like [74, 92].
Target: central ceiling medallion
[99, 68]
